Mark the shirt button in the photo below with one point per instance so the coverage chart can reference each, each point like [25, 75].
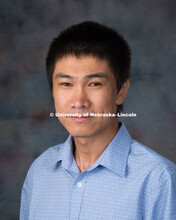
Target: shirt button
[79, 184]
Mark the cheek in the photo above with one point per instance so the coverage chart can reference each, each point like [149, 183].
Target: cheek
[59, 101]
[105, 102]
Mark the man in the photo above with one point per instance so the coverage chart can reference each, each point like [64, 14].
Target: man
[100, 172]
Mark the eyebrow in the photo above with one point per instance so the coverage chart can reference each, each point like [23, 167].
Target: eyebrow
[93, 75]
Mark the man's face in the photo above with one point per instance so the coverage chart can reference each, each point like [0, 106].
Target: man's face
[85, 85]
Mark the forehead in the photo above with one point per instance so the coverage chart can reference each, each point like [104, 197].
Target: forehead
[82, 66]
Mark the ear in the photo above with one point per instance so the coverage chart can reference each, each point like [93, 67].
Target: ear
[123, 92]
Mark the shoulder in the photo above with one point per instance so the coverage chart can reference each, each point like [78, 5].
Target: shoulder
[148, 162]
[45, 160]
[156, 177]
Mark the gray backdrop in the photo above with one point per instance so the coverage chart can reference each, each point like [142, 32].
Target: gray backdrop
[26, 29]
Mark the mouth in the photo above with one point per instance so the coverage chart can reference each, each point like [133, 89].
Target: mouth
[81, 119]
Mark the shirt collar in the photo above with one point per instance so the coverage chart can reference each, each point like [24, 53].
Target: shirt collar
[114, 157]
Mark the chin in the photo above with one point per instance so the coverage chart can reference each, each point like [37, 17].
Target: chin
[80, 133]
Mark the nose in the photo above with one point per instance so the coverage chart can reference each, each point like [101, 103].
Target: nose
[80, 99]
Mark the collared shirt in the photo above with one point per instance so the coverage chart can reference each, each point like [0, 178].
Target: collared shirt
[128, 182]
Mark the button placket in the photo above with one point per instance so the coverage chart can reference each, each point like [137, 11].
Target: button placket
[79, 184]
[77, 196]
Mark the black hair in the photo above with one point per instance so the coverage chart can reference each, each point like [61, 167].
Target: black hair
[91, 38]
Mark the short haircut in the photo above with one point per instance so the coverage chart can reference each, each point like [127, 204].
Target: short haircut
[92, 38]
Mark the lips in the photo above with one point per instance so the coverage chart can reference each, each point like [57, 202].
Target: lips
[81, 119]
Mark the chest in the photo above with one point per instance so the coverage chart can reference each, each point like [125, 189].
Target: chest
[95, 195]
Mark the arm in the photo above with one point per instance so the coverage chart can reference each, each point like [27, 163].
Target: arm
[24, 205]
[26, 195]
[160, 203]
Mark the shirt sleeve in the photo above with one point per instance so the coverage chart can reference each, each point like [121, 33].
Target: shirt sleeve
[26, 194]
[24, 205]
[161, 202]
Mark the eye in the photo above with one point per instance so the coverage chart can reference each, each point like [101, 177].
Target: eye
[95, 84]
[65, 84]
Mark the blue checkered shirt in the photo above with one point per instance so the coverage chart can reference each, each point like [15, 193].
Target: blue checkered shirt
[129, 181]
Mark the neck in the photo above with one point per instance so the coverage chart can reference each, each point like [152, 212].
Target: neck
[88, 149]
